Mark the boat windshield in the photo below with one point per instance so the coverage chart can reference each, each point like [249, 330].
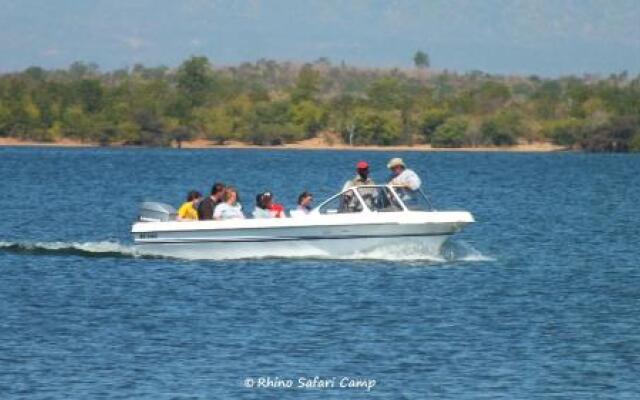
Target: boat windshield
[346, 202]
[375, 198]
[379, 198]
[383, 198]
[414, 200]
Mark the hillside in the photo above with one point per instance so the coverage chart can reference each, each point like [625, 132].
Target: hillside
[272, 103]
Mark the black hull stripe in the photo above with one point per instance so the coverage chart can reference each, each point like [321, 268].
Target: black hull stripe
[284, 239]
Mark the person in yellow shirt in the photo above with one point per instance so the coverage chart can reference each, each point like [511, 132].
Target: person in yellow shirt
[188, 211]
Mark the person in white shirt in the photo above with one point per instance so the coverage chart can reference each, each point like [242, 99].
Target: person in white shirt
[304, 205]
[261, 210]
[406, 182]
[230, 208]
[402, 176]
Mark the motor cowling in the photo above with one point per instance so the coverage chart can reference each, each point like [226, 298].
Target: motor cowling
[156, 212]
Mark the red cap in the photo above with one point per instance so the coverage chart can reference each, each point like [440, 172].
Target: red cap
[362, 165]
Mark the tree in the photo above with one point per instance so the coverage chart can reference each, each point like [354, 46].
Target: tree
[5, 119]
[307, 85]
[195, 79]
[308, 117]
[128, 132]
[180, 134]
[270, 124]
[213, 123]
[634, 144]
[431, 120]
[451, 134]
[341, 112]
[489, 97]
[502, 129]
[618, 135]
[269, 102]
[546, 98]
[77, 124]
[564, 132]
[35, 73]
[90, 93]
[376, 127]
[387, 93]
[81, 70]
[421, 60]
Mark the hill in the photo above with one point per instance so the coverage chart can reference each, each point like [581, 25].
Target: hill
[272, 103]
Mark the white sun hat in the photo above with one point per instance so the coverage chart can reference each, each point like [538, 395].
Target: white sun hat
[394, 162]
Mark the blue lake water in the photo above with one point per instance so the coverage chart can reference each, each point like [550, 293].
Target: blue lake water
[540, 299]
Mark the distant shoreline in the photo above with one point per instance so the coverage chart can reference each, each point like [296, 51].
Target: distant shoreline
[535, 147]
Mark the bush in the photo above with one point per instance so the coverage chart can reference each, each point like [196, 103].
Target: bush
[308, 116]
[380, 128]
[489, 97]
[503, 129]
[270, 124]
[213, 123]
[494, 134]
[634, 144]
[451, 134]
[431, 120]
[565, 132]
[273, 134]
[616, 136]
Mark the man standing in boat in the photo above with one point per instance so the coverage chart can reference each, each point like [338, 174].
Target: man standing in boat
[362, 176]
[406, 181]
[362, 179]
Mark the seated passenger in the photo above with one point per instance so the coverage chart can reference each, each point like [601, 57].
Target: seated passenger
[276, 210]
[261, 210]
[304, 205]
[230, 208]
[188, 210]
[207, 205]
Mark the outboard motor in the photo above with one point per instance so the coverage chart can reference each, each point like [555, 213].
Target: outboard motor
[156, 212]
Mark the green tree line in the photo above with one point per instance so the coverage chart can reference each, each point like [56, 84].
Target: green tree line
[268, 102]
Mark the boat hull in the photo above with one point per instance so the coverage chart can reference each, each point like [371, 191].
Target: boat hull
[326, 237]
[396, 248]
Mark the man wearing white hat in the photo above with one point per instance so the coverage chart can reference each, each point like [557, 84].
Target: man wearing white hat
[403, 176]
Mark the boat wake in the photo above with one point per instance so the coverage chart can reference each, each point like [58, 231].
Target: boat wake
[460, 250]
[86, 249]
[452, 251]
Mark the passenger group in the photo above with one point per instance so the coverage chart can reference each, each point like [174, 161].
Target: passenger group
[224, 202]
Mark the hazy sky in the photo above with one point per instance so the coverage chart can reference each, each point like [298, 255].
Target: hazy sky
[548, 37]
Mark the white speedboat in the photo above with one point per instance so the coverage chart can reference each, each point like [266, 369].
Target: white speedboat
[354, 222]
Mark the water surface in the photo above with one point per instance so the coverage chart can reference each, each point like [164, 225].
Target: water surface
[540, 300]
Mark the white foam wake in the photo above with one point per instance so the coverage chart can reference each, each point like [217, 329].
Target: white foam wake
[404, 252]
[104, 248]
[451, 251]
[460, 250]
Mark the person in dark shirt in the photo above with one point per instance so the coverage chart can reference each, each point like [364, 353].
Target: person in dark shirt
[206, 206]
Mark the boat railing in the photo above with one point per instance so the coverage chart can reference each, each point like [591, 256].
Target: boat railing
[406, 197]
[396, 198]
